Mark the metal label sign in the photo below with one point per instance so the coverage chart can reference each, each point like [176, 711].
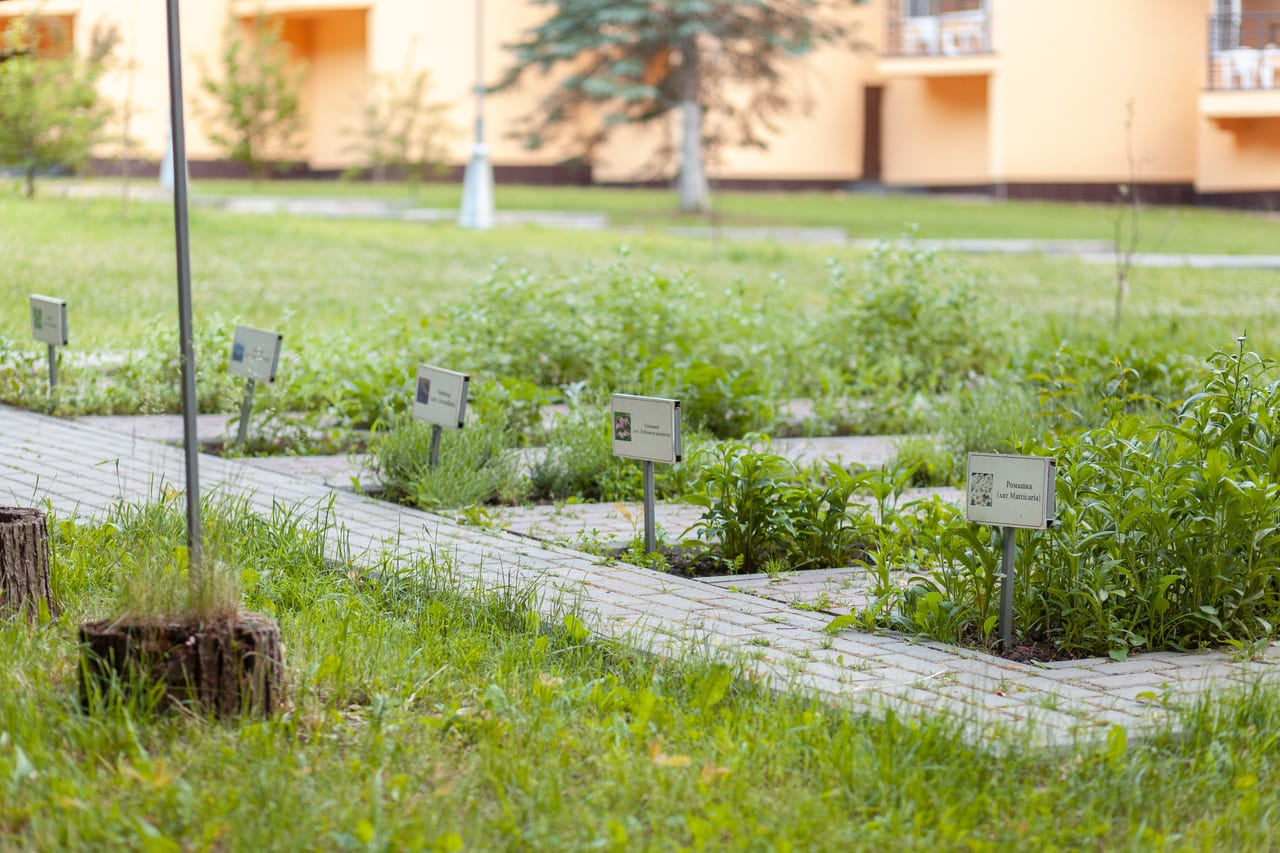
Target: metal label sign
[1010, 491]
[49, 320]
[255, 354]
[645, 428]
[440, 397]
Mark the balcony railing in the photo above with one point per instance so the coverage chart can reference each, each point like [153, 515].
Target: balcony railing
[938, 28]
[1244, 51]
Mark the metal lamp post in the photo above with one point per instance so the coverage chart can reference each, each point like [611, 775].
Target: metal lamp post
[477, 185]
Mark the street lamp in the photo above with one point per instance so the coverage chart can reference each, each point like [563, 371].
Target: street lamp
[477, 184]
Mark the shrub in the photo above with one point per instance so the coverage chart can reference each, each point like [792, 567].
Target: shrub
[917, 323]
[1167, 533]
[578, 462]
[477, 464]
[760, 512]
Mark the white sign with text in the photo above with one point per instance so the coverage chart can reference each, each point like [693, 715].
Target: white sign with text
[49, 320]
[645, 428]
[1010, 491]
[440, 397]
[255, 354]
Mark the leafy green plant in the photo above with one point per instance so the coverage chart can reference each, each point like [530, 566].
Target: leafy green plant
[1167, 532]
[741, 491]
[825, 530]
[916, 323]
[929, 464]
[253, 102]
[578, 462]
[477, 464]
[761, 513]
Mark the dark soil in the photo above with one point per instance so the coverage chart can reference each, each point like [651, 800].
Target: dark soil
[336, 445]
[687, 561]
[1024, 650]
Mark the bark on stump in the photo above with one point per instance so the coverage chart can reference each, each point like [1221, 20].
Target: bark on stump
[224, 668]
[24, 563]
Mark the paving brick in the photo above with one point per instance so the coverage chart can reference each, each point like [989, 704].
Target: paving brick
[84, 471]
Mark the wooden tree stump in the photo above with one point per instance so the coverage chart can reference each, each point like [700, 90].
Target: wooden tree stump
[224, 668]
[24, 563]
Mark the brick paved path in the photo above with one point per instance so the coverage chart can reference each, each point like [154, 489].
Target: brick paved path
[82, 470]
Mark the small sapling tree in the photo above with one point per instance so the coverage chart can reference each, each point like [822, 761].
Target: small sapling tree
[1127, 218]
[252, 107]
[51, 115]
[402, 132]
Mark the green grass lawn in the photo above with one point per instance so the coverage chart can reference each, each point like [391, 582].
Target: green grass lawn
[117, 271]
[1163, 229]
[862, 215]
[425, 713]
[428, 714]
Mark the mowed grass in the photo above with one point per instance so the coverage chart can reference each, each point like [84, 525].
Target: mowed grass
[425, 713]
[428, 713]
[117, 271]
[866, 215]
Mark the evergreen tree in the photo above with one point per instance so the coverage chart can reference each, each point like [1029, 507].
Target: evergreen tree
[638, 61]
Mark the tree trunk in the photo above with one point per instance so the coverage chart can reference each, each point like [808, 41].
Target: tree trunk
[223, 668]
[694, 194]
[24, 563]
[30, 185]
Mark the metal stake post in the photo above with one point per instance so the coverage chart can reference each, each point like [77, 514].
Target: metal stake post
[53, 367]
[185, 335]
[1008, 554]
[242, 434]
[436, 432]
[650, 528]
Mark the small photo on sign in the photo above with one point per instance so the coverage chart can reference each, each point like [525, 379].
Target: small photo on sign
[621, 426]
[980, 489]
[37, 317]
[424, 390]
[237, 351]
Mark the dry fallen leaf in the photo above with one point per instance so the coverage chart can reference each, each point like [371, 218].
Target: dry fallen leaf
[661, 759]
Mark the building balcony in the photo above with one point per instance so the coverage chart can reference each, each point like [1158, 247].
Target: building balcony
[937, 38]
[1243, 66]
[248, 8]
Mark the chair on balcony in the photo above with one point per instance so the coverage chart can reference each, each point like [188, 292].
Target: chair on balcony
[920, 32]
[1240, 65]
[1270, 63]
[962, 32]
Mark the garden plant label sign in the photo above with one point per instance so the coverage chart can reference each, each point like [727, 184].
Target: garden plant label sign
[49, 320]
[1010, 491]
[440, 397]
[646, 428]
[255, 354]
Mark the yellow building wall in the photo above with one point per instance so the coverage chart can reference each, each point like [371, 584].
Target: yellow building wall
[1050, 107]
[936, 131]
[1239, 154]
[1066, 72]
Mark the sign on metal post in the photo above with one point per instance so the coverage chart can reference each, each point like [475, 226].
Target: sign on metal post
[49, 325]
[648, 429]
[255, 355]
[440, 399]
[1010, 492]
[49, 320]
